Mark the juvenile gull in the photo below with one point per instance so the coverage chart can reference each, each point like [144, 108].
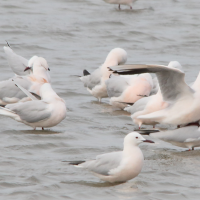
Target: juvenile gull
[118, 166]
[47, 112]
[95, 82]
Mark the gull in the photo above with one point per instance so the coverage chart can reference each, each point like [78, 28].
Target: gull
[95, 82]
[47, 112]
[118, 166]
[127, 90]
[181, 101]
[32, 81]
[18, 63]
[186, 137]
[152, 103]
[121, 2]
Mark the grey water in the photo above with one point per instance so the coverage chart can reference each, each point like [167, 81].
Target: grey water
[73, 35]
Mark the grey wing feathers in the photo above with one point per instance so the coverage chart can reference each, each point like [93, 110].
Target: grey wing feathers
[93, 79]
[104, 163]
[116, 86]
[16, 62]
[31, 111]
[9, 89]
[171, 80]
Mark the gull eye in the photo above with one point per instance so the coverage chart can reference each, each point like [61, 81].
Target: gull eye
[136, 137]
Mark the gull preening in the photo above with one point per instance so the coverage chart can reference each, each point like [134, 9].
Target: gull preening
[44, 113]
[181, 101]
[118, 166]
[37, 75]
[121, 2]
[124, 90]
[95, 82]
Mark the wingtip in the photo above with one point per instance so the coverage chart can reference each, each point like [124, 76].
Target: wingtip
[85, 72]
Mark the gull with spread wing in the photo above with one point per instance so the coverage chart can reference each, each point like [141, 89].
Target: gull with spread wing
[181, 101]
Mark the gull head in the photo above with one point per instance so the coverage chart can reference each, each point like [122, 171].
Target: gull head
[134, 139]
[176, 65]
[116, 56]
[41, 62]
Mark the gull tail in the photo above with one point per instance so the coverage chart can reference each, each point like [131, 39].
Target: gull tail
[85, 72]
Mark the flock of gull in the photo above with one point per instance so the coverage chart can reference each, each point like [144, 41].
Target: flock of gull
[153, 94]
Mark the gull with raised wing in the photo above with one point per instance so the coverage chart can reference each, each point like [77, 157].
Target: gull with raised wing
[119, 166]
[95, 82]
[47, 112]
[181, 101]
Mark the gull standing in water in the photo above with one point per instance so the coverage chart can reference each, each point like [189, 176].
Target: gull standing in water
[121, 2]
[118, 166]
[95, 82]
[47, 112]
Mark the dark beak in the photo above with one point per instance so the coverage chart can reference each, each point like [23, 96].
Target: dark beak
[27, 68]
[49, 69]
[149, 141]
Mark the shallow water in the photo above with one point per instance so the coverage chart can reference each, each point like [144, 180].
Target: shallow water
[74, 35]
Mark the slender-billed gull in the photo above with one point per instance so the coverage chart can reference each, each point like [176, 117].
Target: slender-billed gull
[182, 102]
[123, 90]
[95, 82]
[32, 82]
[118, 166]
[121, 2]
[47, 112]
[186, 137]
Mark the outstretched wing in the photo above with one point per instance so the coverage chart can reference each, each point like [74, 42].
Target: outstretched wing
[171, 80]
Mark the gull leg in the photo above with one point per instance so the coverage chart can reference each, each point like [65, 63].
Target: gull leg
[34, 129]
[42, 128]
[131, 7]
[119, 6]
[192, 148]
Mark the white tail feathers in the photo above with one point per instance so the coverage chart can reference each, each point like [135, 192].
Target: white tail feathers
[9, 113]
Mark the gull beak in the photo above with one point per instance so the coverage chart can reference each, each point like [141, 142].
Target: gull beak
[149, 141]
[49, 69]
[27, 68]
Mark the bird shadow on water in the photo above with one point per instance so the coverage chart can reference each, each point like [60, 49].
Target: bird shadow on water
[93, 184]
